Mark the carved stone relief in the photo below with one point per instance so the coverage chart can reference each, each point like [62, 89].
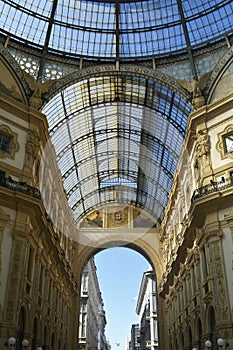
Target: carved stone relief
[14, 282]
[202, 163]
[220, 284]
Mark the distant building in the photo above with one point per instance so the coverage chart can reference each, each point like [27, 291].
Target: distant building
[147, 311]
[92, 320]
[135, 337]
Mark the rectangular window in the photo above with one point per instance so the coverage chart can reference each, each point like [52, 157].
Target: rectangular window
[228, 140]
[5, 142]
[231, 176]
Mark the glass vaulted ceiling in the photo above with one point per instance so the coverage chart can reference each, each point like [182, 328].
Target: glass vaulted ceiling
[117, 137]
[117, 28]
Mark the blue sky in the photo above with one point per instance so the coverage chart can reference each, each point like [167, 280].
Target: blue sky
[120, 271]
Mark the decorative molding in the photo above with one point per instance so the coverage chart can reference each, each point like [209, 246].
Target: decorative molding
[220, 283]
[11, 305]
[33, 143]
[111, 69]
[220, 146]
[14, 145]
[218, 72]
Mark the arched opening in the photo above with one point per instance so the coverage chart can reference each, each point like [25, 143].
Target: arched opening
[45, 340]
[53, 341]
[129, 301]
[190, 338]
[212, 325]
[35, 333]
[199, 334]
[21, 325]
[182, 341]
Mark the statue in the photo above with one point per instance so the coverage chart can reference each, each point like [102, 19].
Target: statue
[195, 88]
[203, 146]
[202, 161]
[38, 89]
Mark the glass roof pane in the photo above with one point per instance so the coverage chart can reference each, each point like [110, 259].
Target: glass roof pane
[70, 181]
[75, 196]
[66, 162]
[61, 140]
[13, 20]
[103, 29]
[86, 14]
[118, 140]
[213, 25]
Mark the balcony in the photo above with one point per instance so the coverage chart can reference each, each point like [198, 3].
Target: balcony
[211, 188]
[22, 187]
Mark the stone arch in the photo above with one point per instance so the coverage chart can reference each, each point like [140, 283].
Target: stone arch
[12, 75]
[23, 323]
[197, 334]
[45, 336]
[210, 323]
[189, 337]
[53, 341]
[35, 332]
[181, 341]
[144, 248]
[222, 66]
[111, 69]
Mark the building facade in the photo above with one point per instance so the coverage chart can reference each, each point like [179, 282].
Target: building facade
[147, 311]
[92, 320]
[135, 337]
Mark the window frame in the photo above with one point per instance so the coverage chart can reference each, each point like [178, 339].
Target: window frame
[13, 145]
[221, 144]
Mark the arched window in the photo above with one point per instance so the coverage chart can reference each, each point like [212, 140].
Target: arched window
[181, 347]
[190, 337]
[212, 325]
[45, 338]
[53, 342]
[199, 333]
[34, 333]
[21, 324]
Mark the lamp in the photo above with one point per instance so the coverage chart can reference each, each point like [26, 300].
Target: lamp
[11, 343]
[221, 342]
[39, 348]
[208, 344]
[194, 349]
[25, 343]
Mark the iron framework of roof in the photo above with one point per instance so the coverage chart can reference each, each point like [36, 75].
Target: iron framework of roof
[117, 137]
